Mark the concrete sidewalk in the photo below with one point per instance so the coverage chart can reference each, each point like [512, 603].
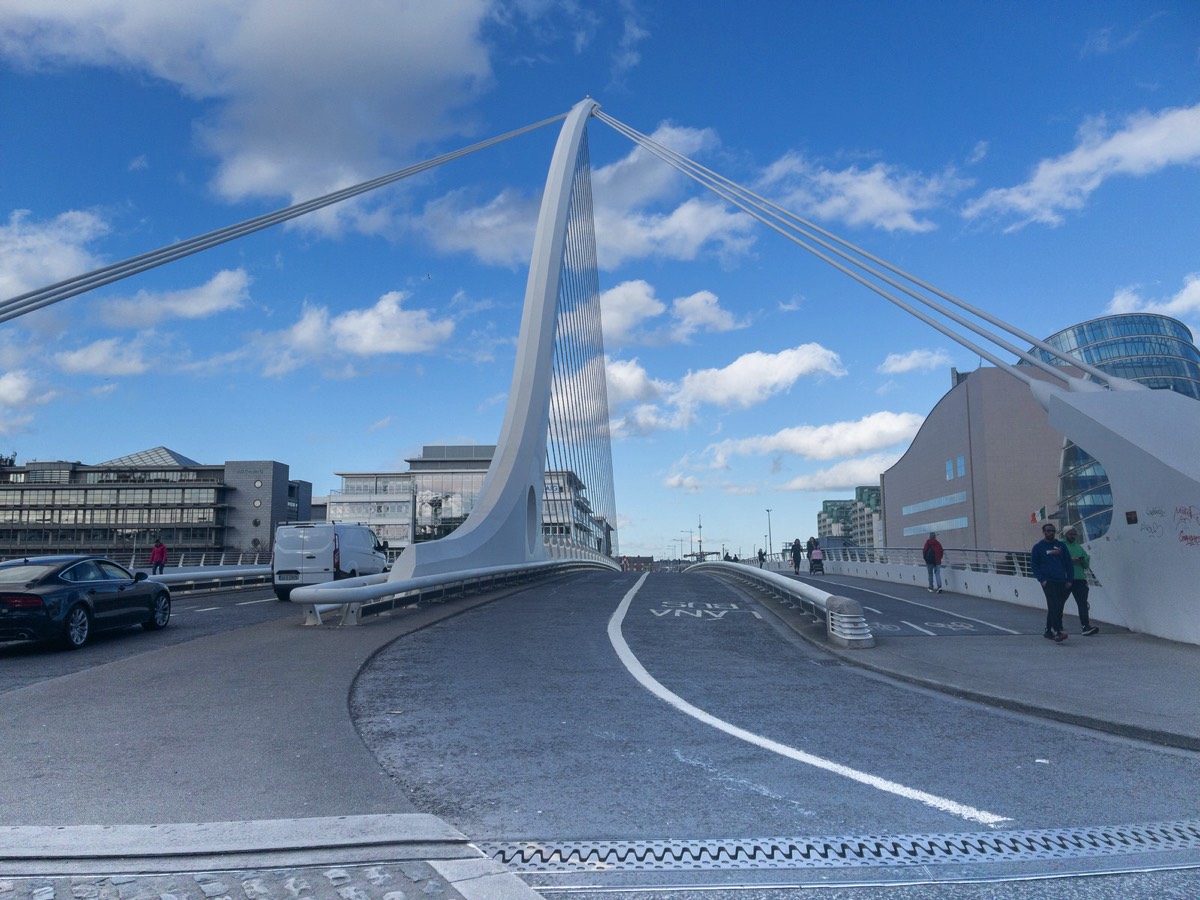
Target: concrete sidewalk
[1117, 682]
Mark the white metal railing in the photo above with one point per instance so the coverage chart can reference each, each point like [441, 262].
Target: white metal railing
[843, 617]
[375, 594]
[213, 578]
[994, 562]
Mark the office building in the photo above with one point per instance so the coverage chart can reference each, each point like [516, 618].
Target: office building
[1153, 350]
[120, 507]
[440, 489]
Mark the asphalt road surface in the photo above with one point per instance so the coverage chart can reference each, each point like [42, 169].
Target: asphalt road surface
[612, 714]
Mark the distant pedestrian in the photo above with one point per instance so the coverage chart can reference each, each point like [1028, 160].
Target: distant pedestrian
[812, 543]
[1080, 561]
[1051, 564]
[762, 557]
[932, 554]
[158, 558]
[797, 555]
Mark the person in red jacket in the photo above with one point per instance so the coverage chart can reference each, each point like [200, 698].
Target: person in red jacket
[932, 554]
[158, 558]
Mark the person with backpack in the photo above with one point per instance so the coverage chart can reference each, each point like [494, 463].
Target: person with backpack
[932, 554]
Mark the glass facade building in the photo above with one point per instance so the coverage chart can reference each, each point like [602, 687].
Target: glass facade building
[1156, 351]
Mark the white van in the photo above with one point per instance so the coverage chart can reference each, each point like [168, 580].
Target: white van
[312, 553]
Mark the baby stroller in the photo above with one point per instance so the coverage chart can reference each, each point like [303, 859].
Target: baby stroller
[816, 563]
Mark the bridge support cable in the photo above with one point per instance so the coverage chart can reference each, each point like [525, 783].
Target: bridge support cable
[1145, 439]
[801, 231]
[580, 503]
[79, 284]
[506, 524]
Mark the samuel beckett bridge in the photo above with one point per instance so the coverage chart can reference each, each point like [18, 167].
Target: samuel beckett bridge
[557, 418]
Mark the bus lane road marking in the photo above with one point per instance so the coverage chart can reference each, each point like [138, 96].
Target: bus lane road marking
[936, 609]
[646, 680]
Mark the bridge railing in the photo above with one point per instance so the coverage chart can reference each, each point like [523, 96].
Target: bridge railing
[845, 624]
[212, 578]
[368, 595]
[995, 562]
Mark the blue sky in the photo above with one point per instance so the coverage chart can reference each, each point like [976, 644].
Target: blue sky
[1040, 160]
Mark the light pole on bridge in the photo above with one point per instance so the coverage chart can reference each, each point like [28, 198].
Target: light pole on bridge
[770, 535]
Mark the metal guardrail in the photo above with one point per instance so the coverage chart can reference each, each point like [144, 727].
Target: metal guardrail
[212, 578]
[369, 595]
[844, 621]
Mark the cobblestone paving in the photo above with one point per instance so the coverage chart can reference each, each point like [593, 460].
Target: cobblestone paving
[392, 881]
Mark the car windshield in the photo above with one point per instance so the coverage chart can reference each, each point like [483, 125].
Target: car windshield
[22, 573]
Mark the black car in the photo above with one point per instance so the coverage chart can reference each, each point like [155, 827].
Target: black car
[66, 598]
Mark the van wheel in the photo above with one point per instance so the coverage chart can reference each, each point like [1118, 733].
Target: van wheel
[284, 594]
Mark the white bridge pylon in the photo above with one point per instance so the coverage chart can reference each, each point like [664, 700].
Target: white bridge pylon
[505, 525]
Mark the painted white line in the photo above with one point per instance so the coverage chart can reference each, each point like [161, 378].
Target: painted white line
[252, 602]
[206, 609]
[874, 610]
[919, 628]
[646, 680]
[937, 609]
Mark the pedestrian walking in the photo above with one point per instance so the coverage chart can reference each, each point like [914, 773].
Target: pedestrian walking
[797, 555]
[932, 554]
[1051, 564]
[1080, 561]
[762, 557]
[158, 558]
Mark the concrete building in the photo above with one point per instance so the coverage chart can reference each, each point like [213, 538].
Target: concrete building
[440, 489]
[120, 507]
[835, 519]
[982, 463]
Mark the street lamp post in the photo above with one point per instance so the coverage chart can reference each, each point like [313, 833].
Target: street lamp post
[770, 536]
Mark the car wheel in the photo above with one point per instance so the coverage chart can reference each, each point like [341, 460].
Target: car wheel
[283, 594]
[161, 613]
[77, 627]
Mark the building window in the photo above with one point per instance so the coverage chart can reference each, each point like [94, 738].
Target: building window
[949, 470]
[962, 466]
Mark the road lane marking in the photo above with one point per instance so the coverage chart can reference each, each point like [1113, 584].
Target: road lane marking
[938, 609]
[646, 680]
[918, 628]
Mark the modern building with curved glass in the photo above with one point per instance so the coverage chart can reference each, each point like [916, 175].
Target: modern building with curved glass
[1156, 351]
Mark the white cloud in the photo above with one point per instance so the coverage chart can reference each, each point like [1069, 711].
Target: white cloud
[498, 232]
[628, 308]
[625, 307]
[701, 312]
[1146, 143]
[36, 254]
[845, 475]
[752, 378]
[747, 381]
[1183, 304]
[640, 209]
[628, 382]
[881, 196]
[686, 483]
[835, 440]
[228, 289]
[384, 328]
[304, 97]
[110, 356]
[17, 389]
[914, 360]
